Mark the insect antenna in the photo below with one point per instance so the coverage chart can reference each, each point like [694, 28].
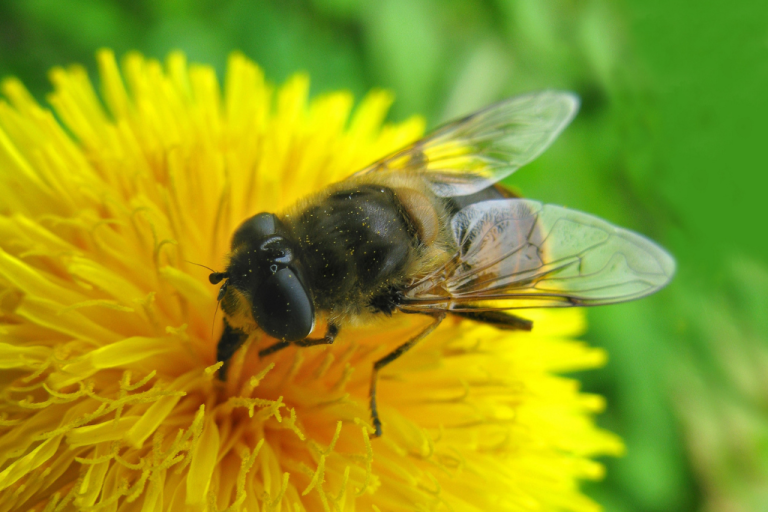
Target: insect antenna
[199, 265]
[214, 278]
[213, 322]
[222, 291]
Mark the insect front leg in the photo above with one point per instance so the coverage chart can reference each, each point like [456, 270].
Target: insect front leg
[384, 361]
[327, 339]
[231, 340]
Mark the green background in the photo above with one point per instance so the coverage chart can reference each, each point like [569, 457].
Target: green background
[670, 141]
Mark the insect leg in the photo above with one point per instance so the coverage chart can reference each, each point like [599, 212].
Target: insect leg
[498, 319]
[327, 339]
[330, 337]
[384, 361]
[275, 347]
[231, 340]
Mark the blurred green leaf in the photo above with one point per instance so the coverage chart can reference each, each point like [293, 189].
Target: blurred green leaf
[402, 38]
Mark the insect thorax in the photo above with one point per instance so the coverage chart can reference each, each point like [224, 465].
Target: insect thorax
[355, 243]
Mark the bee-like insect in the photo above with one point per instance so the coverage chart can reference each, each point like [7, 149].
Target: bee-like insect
[427, 230]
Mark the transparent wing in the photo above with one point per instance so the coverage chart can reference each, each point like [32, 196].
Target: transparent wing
[517, 253]
[470, 154]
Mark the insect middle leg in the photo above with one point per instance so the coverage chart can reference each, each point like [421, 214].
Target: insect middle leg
[327, 339]
[384, 361]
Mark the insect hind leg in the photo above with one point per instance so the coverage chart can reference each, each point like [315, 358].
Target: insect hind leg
[384, 361]
[498, 319]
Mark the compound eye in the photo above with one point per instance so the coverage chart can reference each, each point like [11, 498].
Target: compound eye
[282, 307]
[258, 227]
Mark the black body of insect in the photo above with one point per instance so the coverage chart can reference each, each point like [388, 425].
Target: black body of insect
[428, 231]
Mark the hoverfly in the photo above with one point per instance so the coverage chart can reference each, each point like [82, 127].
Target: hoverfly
[427, 230]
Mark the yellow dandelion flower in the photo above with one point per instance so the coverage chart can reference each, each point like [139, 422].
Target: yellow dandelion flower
[110, 400]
